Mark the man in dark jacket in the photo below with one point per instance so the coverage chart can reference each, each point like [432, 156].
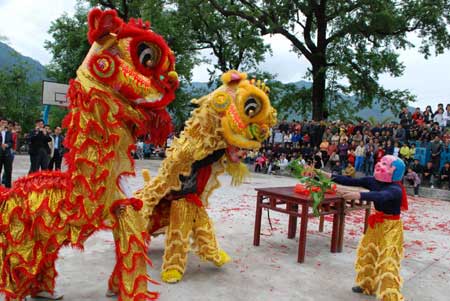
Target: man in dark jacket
[38, 151]
[405, 120]
[58, 150]
[436, 149]
[416, 167]
[428, 173]
[444, 176]
[6, 142]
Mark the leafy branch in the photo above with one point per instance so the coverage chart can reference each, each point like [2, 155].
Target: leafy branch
[313, 182]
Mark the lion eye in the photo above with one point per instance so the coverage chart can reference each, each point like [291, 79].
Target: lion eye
[149, 54]
[252, 106]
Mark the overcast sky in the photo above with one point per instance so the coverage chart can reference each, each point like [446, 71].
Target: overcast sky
[25, 23]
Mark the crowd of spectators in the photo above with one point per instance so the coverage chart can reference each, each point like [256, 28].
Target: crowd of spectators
[43, 144]
[347, 147]
[10, 132]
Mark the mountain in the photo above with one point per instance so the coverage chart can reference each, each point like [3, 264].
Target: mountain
[10, 57]
[375, 111]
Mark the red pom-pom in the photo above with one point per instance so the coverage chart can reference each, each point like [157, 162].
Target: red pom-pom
[101, 23]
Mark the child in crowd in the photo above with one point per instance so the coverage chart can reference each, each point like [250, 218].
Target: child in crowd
[412, 152]
[350, 171]
[260, 163]
[337, 168]
[369, 161]
[360, 154]
[413, 178]
[396, 149]
[351, 157]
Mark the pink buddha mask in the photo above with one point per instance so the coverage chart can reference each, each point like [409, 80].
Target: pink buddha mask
[384, 170]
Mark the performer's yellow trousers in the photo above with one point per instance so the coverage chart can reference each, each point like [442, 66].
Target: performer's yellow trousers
[129, 278]
[189, 220]
[378, 260]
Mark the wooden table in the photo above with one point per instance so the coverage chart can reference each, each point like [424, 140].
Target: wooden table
[285, 200]
[352, 206]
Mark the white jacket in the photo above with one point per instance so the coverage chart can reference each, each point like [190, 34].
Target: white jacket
[360, 151]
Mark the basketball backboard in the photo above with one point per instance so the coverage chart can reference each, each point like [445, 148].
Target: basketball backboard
[54, 94]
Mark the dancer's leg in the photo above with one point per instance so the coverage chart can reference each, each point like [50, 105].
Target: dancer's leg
[205, 240]
[130, 274]
[182, 216]
[367, 257]
[391, 253]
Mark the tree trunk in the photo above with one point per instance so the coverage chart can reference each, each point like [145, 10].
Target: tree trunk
[319, 63]
[318, 91]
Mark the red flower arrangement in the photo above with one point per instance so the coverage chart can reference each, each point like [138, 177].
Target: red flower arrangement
[312, 183]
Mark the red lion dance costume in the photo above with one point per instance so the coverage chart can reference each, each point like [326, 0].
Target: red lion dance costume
[120, 92]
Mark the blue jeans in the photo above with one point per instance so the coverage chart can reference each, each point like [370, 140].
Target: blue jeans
[359, 163]
[343, 159]
[369, 168]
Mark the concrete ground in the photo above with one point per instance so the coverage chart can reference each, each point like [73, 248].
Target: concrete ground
[270, 271]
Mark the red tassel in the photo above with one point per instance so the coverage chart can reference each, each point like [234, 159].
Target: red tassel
[404, 205]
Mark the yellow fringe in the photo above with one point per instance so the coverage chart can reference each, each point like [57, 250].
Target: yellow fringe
[390, 295]
[238, 172]
[201, 137]
[146, 176]
[378, 263]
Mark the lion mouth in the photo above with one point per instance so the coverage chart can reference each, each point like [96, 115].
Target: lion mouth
[237, 139]
[144, 90]
[236, 154]
[150, 99]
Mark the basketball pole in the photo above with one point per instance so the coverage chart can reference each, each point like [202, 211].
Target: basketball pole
[45, 113]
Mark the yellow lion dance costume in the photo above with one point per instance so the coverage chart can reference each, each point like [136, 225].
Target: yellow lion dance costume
[238, 115]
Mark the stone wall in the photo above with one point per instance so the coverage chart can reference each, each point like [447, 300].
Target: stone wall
[428, 192]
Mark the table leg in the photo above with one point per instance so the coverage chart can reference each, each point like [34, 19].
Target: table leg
[335, 233]
[303, 232]
[321, 222]
[366, 219]
[341, 226]
[257, 233]
[292, 226]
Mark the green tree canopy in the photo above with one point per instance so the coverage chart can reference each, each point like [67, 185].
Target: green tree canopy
[187, 26]
[19, 99]
[354, 41]
[234, 43]
[68, 45]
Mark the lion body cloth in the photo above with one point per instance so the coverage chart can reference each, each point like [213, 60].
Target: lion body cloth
[121, 91]
[238, 115]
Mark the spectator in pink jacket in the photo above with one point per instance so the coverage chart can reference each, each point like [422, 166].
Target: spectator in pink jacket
[260, 163]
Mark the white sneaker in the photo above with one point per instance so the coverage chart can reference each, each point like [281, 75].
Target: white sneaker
[416, 195]
[49, 296]
[432, 187]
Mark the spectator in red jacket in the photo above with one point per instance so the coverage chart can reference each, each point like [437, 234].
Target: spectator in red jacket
[416, 114]
[379, 154]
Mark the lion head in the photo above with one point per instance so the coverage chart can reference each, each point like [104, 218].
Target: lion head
[246, 113]
[130, 59]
